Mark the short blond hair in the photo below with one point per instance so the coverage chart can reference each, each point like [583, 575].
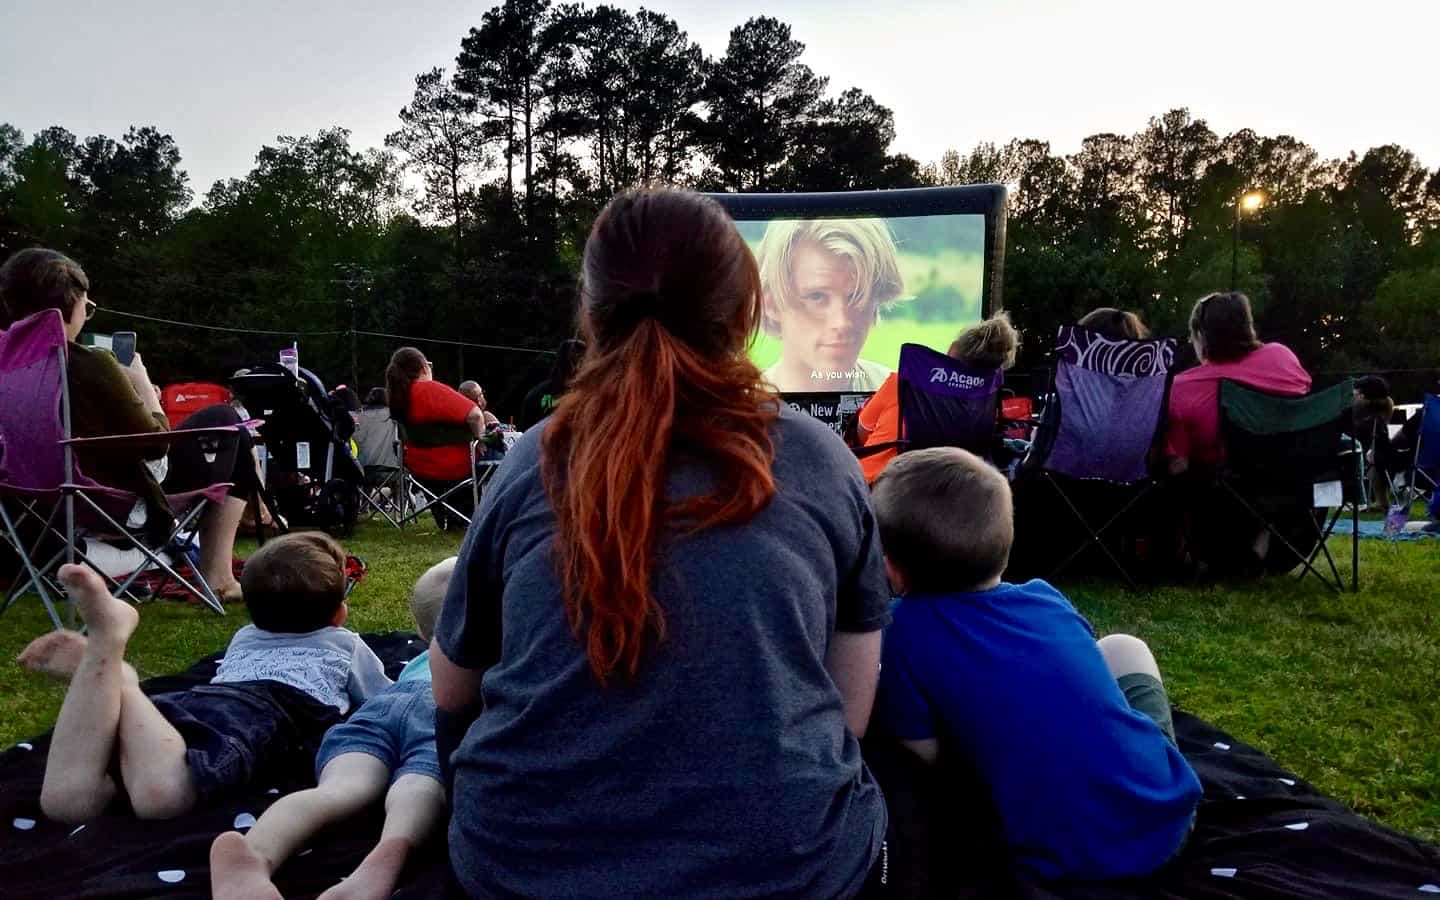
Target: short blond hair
[866, 243]
[946, 519]
[429, 595]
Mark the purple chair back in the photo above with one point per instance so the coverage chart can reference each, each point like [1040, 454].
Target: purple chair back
[1111, 397]
[946, 404]
[31, 381]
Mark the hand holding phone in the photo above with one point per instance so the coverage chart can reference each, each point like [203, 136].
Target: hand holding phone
[122, 344]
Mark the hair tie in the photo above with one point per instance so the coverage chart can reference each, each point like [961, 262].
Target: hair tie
[636, 308]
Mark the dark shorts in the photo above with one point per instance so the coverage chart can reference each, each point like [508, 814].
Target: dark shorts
[234, 731]
[1146, 694]
[396, 726]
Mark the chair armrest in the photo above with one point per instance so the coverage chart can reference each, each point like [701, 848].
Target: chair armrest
[150, 439]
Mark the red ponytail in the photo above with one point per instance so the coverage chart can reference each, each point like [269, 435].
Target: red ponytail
[665, 368]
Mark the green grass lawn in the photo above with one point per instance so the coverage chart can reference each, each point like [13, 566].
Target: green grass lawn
[1340, 689]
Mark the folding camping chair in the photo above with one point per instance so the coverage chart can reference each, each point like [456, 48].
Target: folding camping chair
[943, 404]
[40, 480]
[1106, 411]
[409, 487]
[1419, 472]
[1288, 454]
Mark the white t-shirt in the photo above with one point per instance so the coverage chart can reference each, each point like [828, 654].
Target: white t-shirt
[333, 665]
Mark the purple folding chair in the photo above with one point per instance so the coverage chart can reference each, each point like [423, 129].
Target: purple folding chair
[943, 404]
[40, 481]
[1107, 411]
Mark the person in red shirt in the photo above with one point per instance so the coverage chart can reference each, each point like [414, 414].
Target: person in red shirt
[421, 403]
[1222, 330]
[992, 344]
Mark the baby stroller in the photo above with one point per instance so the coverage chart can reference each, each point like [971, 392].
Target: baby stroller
[309, 470]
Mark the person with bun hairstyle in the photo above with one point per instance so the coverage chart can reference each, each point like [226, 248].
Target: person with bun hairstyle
[673, 592]
[991, 344]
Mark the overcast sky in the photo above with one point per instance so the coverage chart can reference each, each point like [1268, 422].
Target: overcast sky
[223, 78]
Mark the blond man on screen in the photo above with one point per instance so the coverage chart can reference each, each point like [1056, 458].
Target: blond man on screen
[824, 282]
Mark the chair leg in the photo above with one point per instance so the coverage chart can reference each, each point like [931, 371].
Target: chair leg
[34, 575]
[203, 592]
[1094, 534]
[1304, 560]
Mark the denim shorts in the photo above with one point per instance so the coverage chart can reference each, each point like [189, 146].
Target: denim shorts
[396, 726]
[233, 731]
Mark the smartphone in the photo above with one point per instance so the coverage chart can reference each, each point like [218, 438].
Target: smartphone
[122, 344]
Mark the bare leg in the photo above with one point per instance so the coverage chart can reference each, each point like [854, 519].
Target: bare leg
[152, 758]
[77, 785]
[218, 526]
[1128, 655]
[414, 805]
[241, 867]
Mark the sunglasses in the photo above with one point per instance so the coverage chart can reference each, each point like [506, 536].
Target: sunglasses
[90, 307]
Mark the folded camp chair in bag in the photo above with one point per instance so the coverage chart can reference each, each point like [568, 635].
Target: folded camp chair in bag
[410, 488]
[1290, 456]
[943, 404]
[1106, 410]
[40, 480]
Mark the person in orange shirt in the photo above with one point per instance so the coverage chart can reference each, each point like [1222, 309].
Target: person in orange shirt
[992, 344]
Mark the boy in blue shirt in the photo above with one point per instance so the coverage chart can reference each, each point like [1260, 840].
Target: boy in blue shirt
[1073, 737]
[386, 749]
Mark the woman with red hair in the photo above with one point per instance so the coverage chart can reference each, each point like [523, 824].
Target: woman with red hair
[688, 582]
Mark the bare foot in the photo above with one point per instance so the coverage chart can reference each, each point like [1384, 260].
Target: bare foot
[56, 654]
[227, 590]
[237, 872]
[109, 619]
[376, 877]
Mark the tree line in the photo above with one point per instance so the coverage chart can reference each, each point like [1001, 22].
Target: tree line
[468, 224]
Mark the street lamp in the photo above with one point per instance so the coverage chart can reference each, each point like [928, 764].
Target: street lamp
[1247, 202]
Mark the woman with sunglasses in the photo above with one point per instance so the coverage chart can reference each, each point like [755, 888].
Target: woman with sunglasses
[109, 399]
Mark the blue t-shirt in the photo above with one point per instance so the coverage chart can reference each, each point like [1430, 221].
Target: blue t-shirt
[417, 669]
[1011, 680]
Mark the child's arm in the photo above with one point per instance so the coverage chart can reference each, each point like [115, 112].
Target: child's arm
[853, 662]
[367, 673]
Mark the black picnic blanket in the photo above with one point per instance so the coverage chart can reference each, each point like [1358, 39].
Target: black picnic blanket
[1261, 832]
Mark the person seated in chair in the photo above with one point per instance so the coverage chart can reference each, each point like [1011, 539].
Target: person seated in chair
[1073, 737]
[991, 344]
[1368, 421]
[419, 402]
[109, 399]
[1222, 331]
[473, 391]
[1115, 324]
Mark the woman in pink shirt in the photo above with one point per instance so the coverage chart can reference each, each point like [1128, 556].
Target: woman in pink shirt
[1222, 331]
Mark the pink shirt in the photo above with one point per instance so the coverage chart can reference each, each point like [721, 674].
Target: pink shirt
[1194, 426]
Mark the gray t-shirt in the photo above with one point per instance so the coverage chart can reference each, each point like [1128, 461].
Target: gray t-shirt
[333, 665]
[725, 768]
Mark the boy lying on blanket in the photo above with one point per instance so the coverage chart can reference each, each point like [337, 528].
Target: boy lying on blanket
[283, 680]
[1073, 737]
[386, 749]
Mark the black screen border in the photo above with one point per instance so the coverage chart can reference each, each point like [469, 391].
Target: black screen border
[971, 199]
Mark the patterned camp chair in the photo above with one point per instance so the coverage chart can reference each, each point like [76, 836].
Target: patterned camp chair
[1106, 411]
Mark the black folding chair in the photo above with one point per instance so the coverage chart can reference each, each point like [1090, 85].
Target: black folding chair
[1106, 411]
[1289, 455]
